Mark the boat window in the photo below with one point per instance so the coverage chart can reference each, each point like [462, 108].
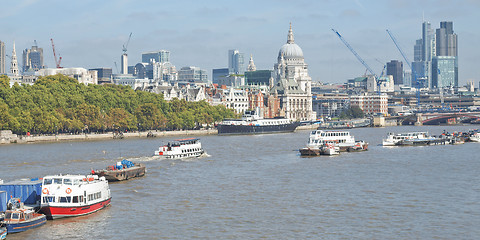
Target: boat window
[47, 181]
[15, 216]
[57, 181]
[80, 198]
[76, 181]
[67, 181]
[22, 216]
[63, 200]
[8, 215]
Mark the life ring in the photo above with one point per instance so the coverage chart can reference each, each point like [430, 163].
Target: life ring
[68, 191]
[45, 191]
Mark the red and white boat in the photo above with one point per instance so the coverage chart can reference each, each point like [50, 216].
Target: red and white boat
[73, 195]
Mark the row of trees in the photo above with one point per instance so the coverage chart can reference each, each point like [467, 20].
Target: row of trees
[61, 104]
[351, 113]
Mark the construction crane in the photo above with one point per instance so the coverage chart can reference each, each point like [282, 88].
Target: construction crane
[116, 67]
[377, 79]
[126, 44]
[414, 73]
[57, 63]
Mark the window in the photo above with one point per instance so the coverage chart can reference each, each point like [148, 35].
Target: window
[75, 199]
[57, 181]
[47, 181]
[67, 181]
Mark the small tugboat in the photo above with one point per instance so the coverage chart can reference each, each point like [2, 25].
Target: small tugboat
[330, 149]
[124, 170]
[19, 218]
[181, 148]
[73, 195]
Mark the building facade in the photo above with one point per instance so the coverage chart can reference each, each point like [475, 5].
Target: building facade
[33, 59]
[192, 75]
[156, 56]
[370, 103]
[104, 75]
[236, 62]
[445, 62]
[395, 68]
[218, 73]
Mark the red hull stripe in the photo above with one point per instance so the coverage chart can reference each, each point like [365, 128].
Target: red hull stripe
[58, 212]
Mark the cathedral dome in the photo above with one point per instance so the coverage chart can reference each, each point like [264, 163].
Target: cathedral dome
[290, 50]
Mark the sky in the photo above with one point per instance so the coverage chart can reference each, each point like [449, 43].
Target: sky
[91, 33]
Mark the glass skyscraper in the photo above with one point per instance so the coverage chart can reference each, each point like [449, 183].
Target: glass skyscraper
[236, 62]
[159, 56]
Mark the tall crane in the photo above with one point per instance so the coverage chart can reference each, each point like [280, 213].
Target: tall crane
[57, 63]
[414, 73]
[126, 44]
[377, 79]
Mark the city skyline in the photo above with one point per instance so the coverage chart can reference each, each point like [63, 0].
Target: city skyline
[91, 34]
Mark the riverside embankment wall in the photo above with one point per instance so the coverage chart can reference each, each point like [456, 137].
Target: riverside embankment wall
[7, 137]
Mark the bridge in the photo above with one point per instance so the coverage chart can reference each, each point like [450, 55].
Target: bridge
[437, 118]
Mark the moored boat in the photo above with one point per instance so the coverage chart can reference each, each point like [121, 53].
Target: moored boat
[252, 123]
[474, 136]
[359, 146]
[3, 233]
[330, 149]
[124, 170]
[181, 148]
[73, 195]
[19, 218]
[410, 138]
[341, 139]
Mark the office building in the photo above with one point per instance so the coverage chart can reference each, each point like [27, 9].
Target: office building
[192, 75]
[104, 75]
[445, 63]
[235, 62]
[258, 77]
[218, 73]
[395, 68]
[33, 59]
[157, 56]
[2, 58]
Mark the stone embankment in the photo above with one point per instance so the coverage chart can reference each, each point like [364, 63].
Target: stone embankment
[6, 136]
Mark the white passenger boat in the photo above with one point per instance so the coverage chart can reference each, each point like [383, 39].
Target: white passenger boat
[410, 137]
[475, 137]
[73, 195]
[342, 139]
[181, 148]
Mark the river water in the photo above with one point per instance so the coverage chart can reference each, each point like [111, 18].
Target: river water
[254, 187]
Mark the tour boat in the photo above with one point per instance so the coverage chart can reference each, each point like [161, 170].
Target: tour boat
[19, 218]
[342, 139]
[73, 195]
[405, 138]
[181, 148]
[124, 170]
[252, 123]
